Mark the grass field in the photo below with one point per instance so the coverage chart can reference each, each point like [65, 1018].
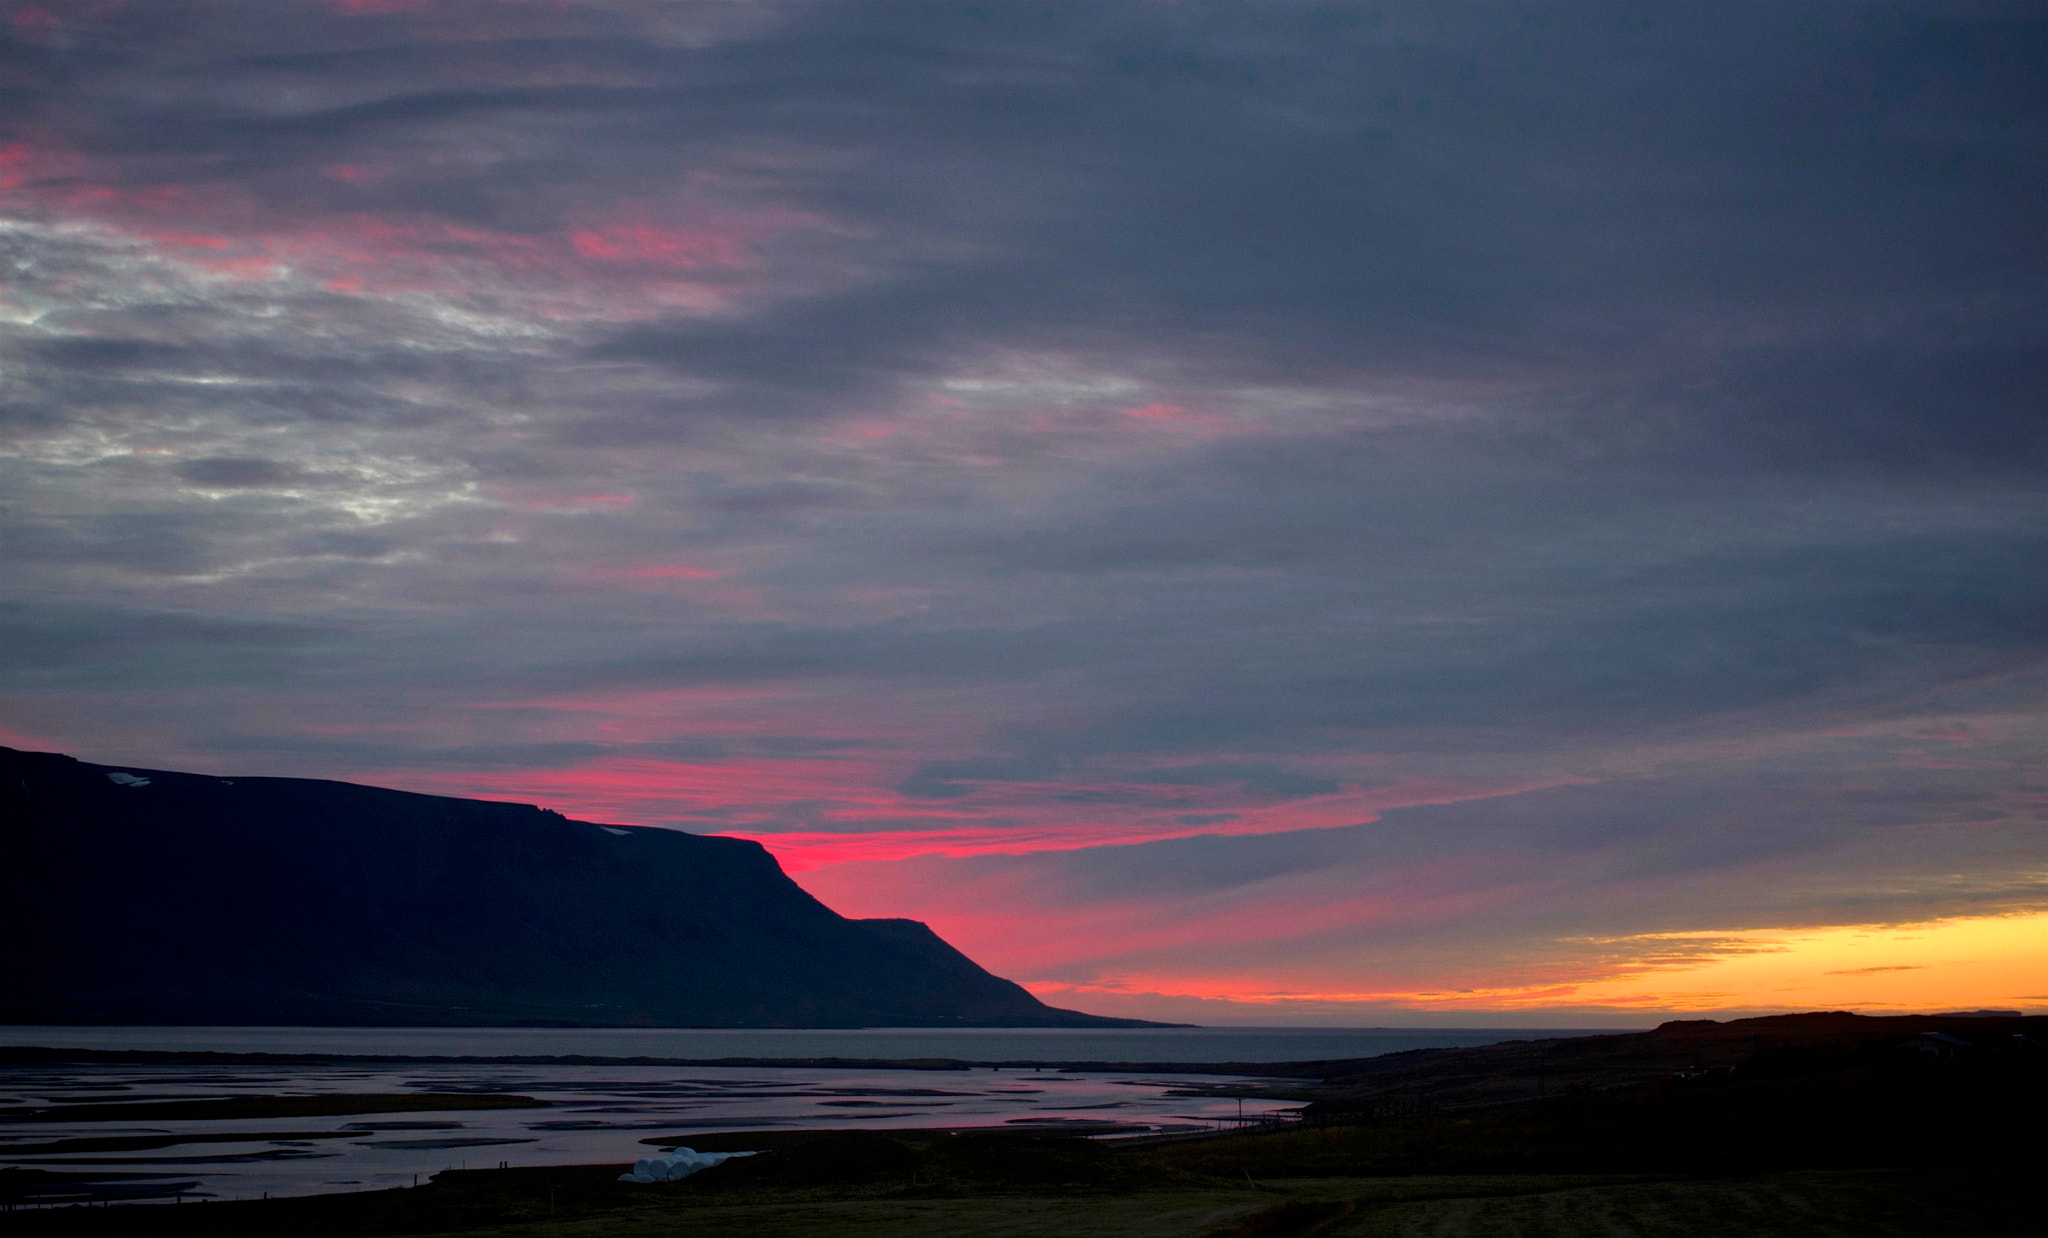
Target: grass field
[1810, 1204]
[585, 1202]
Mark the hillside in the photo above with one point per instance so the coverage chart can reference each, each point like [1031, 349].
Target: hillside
[146, 896]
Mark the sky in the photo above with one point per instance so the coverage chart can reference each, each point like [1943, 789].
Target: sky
[1361, 514]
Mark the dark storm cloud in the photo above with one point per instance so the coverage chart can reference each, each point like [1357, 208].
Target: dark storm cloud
[1320, 194]
[142, 542]
[952, 779]
[508, 756]
[1266, 780]
[87, 353]
[850, 353]
[1569, 640]
[1433, 591]
[779, 498]
[1925, 398]
[97, 648]
[1312, 192]
[18, 416]
[346, 544]
[238, 471]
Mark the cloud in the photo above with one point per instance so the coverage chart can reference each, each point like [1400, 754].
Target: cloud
[1179, 444]
[99, 648]
[1265, 779]
[238, 471]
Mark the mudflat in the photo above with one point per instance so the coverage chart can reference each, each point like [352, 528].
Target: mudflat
[230, 1107]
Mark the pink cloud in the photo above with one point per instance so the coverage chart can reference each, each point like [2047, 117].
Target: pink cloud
[642, 791]
[357, 173]
[981, 867]
[29, 741]
[882, 854]
[821, 812]
[186, 240]
[250, 268]
[1158, 412]
[817, 811]
[677, 247]
[1029, 918]
[646, 576]
[1179, 419]
[1039, 817]
[27, 163]
[677, 571]
[571, 503]
[625, 259]
[378, 8]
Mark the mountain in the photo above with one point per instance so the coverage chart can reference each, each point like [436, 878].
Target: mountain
[144, 896]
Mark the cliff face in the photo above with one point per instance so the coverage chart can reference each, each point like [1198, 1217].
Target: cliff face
[143, 896]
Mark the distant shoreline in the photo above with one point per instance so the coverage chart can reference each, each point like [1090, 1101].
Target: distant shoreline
[1245, 1051]
[36, 1055]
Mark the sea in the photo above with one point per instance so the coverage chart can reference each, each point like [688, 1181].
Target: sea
[614, 1112]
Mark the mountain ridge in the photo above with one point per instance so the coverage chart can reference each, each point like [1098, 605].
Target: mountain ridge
[130, 895]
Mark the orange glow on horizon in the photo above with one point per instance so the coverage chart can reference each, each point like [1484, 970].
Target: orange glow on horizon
[1953, 964]
[1949, 964]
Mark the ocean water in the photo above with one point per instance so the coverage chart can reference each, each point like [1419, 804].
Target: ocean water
[1194, 1044]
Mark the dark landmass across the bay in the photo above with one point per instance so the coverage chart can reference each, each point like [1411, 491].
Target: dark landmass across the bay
[1520, 1070]
[1481, 1074]
[33, 1055]
[136, 896]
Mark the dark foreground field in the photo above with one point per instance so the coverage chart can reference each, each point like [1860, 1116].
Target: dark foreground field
[1907, 1203]
[1846, 1134]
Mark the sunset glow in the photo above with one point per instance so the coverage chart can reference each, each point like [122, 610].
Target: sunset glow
[1258, 515]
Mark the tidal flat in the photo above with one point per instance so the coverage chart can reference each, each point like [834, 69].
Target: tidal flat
[230, 1108]
[227, 1130]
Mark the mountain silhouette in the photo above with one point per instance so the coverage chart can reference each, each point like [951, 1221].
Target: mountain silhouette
[131, 895]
